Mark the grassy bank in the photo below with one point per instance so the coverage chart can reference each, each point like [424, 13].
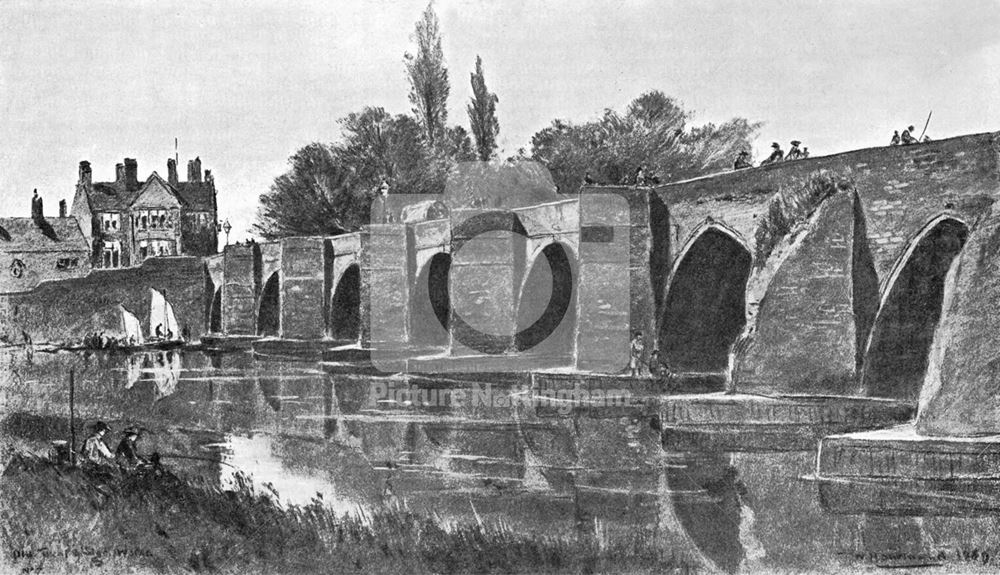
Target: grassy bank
[67, 520]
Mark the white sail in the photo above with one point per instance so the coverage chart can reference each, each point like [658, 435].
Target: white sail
[157, 315]
[172, 326]
[161, 314]
[130, 326]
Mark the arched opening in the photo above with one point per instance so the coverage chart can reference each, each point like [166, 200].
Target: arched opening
[546, 309]
[345, 306]
[897, 352]
[215, 313]
[706, 303]
[430, 304]
[269, 311]
[209, 299]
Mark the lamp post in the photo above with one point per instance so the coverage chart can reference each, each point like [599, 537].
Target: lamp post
[226, 227]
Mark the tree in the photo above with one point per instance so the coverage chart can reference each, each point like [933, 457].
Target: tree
[652, 133]
[428, 77]
[483, 114]
[314, 197]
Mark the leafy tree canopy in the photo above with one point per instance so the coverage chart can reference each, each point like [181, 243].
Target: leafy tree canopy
[653, 133]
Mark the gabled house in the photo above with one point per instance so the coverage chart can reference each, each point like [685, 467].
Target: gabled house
[37, 249]
[130, 221]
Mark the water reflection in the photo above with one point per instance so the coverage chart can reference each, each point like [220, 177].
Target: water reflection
[310, 434]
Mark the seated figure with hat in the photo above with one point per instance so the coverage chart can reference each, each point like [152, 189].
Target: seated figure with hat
[794, 153]
[94, 451]
[776, 156]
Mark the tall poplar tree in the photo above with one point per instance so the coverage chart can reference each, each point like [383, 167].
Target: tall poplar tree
[483, 114]
[428, 76]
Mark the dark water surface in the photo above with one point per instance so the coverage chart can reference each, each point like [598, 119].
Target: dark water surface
[305, 433]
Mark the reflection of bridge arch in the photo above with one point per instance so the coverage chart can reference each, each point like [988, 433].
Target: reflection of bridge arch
[899, 343]
[345, 305]
[269, 308]
[430, 293]
[546, 305]
[705, 303]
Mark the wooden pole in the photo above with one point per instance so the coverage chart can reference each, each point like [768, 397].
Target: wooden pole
[72, 419]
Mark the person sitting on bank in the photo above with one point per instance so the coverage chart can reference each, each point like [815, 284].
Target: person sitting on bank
[127, 454]
[895, 138]
[908, 136]
[94, 451]
[159, 330]
[776, 156]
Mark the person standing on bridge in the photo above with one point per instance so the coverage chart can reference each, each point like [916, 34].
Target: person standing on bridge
[636, 349]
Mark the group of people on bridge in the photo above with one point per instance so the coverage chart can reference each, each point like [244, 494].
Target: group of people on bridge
[743, 160]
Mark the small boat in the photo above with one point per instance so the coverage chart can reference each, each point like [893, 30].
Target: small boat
[164, 332]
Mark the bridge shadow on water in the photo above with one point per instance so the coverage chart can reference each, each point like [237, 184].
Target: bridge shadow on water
[366, 442]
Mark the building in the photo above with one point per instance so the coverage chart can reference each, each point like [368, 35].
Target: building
[130, 220]
[37, 249]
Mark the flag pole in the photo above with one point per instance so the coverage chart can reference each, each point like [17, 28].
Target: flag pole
[927, 123]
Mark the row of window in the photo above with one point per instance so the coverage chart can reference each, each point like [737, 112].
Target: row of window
[150, 248]
[67, 263]
[149, 219]
[152, 219]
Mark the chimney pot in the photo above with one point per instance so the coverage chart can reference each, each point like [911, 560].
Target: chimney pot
[194, 170]
[131, 173]
[37, 213]
[172, 171]
[85, 173]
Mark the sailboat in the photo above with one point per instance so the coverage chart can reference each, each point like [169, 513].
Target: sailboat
[164, 332]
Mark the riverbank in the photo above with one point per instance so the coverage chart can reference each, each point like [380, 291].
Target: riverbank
[68, 520]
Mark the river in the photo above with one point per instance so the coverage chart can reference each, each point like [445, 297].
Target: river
[306, 433]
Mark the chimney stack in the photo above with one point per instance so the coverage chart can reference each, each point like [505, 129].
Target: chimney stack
[85, 175]
[172, 171]
[208, 176]
[131, 173]
[37, 213]
[194, 170]
[119, 173]
[62, 208]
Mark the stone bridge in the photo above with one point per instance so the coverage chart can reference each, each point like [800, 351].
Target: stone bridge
[824, 276]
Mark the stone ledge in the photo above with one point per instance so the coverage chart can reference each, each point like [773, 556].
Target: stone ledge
[900, 453]
[741, 422]
[897, 472]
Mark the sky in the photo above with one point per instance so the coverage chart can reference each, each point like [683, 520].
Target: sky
[244, 84]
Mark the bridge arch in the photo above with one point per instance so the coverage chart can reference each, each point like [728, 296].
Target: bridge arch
[269, 308]
[345, 305]
[705, 303]
[546, 308]
[430, 303]
[210, 293]
[215, 313]
[898, 345]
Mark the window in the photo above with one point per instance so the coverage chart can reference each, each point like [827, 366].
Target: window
[110, 221]
[67, 263]
[143, 249]
[112, 254]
